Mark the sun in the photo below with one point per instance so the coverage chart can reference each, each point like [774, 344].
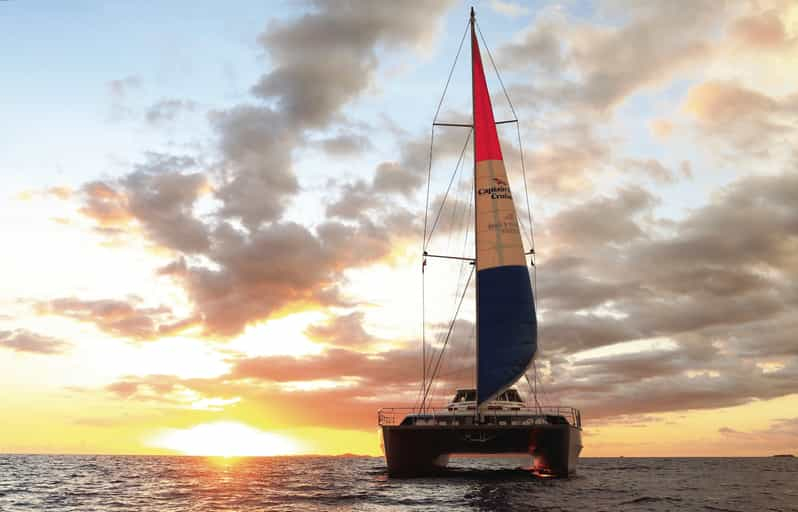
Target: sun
[226, 439]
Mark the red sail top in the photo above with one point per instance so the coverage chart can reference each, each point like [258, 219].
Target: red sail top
[486, 139]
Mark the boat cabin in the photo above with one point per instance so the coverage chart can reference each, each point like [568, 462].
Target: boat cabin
[466, 399]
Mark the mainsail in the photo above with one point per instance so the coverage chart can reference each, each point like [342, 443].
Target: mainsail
[506, 323]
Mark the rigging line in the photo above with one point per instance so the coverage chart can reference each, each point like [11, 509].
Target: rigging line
[458, 283]
[467, 218]
[453, 225]
[446, 341]
[429, 177]
[526, 192]
[446, 194]
[423, 338]
[461, 272]
[453, 354]
[451, 72]
[539, 385]
[446, 336]
[496, 69]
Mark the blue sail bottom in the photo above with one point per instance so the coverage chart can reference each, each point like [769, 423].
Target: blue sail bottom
[507, 328]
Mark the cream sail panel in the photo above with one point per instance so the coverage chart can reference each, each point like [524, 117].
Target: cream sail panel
[498, 237]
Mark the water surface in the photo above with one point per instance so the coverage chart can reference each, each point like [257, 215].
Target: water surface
[114, 483]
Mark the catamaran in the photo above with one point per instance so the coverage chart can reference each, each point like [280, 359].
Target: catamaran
[492, 418]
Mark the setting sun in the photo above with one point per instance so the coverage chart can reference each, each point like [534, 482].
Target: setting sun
[226, 439]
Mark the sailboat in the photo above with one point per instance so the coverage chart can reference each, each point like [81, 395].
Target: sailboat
[491, 418]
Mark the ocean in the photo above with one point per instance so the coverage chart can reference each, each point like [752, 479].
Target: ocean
[163, 484]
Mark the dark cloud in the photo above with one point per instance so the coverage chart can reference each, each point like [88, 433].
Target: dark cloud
[589, 224]
[355, 199]
[597, 66]
[336, 46]
[245, 262]
[404, 176]
[715, 284]
[257, 180]
[281, 264]
[159, 195]
[346, 144]
[539, 47]
[161, 198]
[22, 340]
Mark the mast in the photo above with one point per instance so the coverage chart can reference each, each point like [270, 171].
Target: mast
[476, 249]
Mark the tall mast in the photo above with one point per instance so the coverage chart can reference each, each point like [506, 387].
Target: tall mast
[476, 250]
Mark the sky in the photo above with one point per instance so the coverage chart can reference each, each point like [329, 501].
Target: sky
[212, 219]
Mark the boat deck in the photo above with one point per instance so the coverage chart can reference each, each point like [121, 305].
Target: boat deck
[516, 416]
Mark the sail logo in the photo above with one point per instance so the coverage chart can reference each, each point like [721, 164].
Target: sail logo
[498, 190]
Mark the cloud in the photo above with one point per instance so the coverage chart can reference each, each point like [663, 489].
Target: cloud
[724, 102]
[168, 110]
[22, 340]
[539, 47]
[117, 317]
[346, 144]
[567, 160]
[597, 66]
[761, 31]
[342, 331]
[63, 193]
[587, 225]
[120, 87]
[240, 261]
[713, 283]
[256, 177]
[279, 265]
[159, 196]
[748, 122]
[120, 91]
[511, 9]
[652, 168]
[403, 176]
[104, 204]
[336, 46]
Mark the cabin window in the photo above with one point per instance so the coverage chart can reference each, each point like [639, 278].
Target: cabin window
[513, 396]
[465, 396]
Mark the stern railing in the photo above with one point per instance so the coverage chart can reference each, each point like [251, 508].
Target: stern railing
[392, 416]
